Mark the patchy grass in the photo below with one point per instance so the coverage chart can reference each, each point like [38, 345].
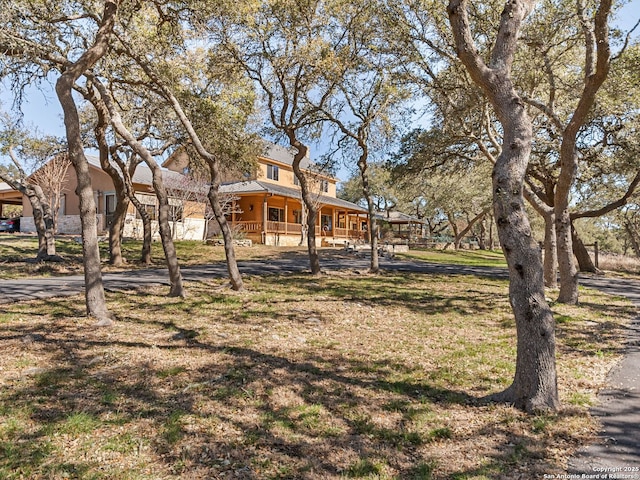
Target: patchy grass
[17, 254]
[477, 258]
[342, 376]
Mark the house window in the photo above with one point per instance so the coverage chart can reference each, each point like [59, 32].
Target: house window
[297, 216]
[151, 211]
[295, 180]
[176, 213]
[272, 172]
[109, 207]
[276, 214]
[324, 186]
[149, 204]
[110, 204]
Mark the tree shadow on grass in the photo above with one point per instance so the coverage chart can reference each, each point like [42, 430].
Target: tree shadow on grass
[332, 415]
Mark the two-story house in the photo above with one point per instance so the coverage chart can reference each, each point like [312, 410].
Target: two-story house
[268, 207]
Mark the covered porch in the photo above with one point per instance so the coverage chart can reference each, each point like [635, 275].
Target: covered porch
[275, 216]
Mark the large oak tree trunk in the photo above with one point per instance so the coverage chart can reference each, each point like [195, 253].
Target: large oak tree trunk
[566, 265]
[534, 386]
[94, 289]
[147, 234]
[128, 169]
[585, 264]
[230, 254]
[374, 266]
[309, 201]
[550, 252]
[166, 235]
[43, 220]
[42, 217]
[116, 226]
[596, 69]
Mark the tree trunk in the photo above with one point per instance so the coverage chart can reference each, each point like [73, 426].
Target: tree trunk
[128, 169]
[534, 387]
[633, 237]
[166, 236]
[550, 252]
[309, 201]
[491, 240]
[374, 266]
[453, 225]
[94, 289]
[460, 235]
[122, 201]
[116, 229]
[43, 220]
[145, 254]
[232, 265]
[42, 217]
[304, 226]
[566, 265]
[596, 69]
[585, 264]
[482, 238]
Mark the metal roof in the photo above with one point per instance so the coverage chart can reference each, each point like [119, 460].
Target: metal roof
[256, 186]
[143, 174]
[397, 217]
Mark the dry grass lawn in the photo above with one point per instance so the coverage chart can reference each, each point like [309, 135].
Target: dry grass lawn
[344, 376]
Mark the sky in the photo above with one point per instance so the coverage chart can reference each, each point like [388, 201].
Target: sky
[42, 109]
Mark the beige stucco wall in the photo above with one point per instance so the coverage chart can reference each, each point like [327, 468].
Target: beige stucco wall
[100, 181]
[286, 177]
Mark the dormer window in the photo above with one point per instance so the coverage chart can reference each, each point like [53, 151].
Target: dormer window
[272, 172]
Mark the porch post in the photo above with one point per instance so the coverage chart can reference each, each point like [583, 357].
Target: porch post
[333, 223]
[233, 212]
[286, 215]
[264, 214]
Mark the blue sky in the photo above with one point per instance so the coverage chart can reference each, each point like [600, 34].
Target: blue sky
[41, 107]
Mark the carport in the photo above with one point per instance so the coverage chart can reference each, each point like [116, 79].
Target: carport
[8, 196]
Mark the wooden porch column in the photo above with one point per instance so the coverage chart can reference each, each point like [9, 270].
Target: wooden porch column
[233, 212]
[334, 216]
[286, 215]
[265, 213]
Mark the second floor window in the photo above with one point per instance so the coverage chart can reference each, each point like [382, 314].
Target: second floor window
[272, 172]
[324, 186]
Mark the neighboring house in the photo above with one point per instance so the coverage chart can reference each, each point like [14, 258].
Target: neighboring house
[187, 217]
[268, 203]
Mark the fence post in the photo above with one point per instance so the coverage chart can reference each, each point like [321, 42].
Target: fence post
[595, 248]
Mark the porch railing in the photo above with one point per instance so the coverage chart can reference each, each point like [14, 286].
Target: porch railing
[295, 228]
